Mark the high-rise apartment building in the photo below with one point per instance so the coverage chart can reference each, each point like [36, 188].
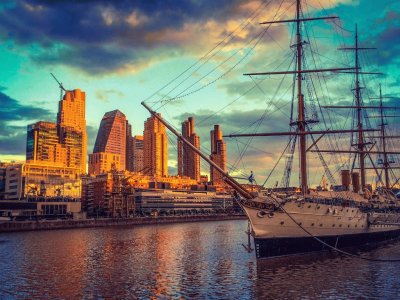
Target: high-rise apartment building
[138, 153]
[43, 143]
[188, 160]
[71, 122]
[63, 143]
[129, 148]
[111, 139]
[218, 155]
[155, 148]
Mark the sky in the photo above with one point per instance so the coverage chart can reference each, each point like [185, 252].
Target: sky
[187, 58]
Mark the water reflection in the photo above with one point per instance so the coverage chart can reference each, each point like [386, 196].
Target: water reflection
[189, 261]
[328, 275]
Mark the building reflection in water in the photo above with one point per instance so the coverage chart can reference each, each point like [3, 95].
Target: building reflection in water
[190, 261]
[50, 267]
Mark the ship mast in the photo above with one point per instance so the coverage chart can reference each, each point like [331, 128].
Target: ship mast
[300, 98]
[301, 118]
[360, 143]
[383, 137]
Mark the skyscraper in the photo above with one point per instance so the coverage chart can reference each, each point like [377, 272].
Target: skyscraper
[129, 159]
[155, 148]
[63, 143]
[43, 143]
[111, 139]
[188, 160]
[218, 155]
[71, 126]
[138, 153]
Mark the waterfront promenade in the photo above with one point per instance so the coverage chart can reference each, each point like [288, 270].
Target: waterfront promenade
[11, 226]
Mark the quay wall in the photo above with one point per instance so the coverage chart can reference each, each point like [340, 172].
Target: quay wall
[13, 226]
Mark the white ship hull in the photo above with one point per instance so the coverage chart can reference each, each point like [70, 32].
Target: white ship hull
[293, 227]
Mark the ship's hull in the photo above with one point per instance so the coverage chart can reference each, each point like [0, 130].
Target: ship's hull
[271, 247]
[300, 226]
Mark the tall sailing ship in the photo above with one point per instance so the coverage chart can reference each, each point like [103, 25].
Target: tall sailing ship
[287, 221]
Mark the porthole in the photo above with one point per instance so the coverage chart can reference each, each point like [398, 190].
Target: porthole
[282, 223]
[333, 225]
[309, 206]
[261, 214]
[312, 224]
[320, 225]
[348, 225]
[340, 225]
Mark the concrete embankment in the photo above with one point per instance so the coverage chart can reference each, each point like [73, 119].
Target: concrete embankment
[10, 226]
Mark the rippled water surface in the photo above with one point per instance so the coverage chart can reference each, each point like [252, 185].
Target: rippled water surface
[188, 261]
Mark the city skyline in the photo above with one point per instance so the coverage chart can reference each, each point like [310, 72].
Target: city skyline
[199, 149]
[114, 78]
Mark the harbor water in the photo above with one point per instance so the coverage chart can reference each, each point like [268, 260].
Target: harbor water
[204, 260]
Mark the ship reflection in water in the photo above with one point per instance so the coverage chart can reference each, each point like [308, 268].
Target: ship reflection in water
[191, 261]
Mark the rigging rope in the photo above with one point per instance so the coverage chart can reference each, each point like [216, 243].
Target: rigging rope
[257, 39]
[226, 40]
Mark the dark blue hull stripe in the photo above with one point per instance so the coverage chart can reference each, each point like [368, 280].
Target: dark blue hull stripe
[286, 246]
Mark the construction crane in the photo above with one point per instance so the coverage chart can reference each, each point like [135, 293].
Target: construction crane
[61, 87]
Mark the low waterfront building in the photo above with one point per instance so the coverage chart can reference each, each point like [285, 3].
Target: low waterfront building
[41, 207]
[12, 181]
[29, 180]
[107, 195]
[167, 201]
[111, 194]
[51, 181]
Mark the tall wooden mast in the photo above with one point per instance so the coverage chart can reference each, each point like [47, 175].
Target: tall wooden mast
[300, 98]
[360, 142]
[301, 121]
[383, 137]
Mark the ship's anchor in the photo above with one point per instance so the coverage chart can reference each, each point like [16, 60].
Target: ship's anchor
[248, 246]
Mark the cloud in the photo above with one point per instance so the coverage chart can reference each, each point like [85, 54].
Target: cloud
[104, 36]
[384, 34]
[12, 112]
[101, 37]
[107, 95]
